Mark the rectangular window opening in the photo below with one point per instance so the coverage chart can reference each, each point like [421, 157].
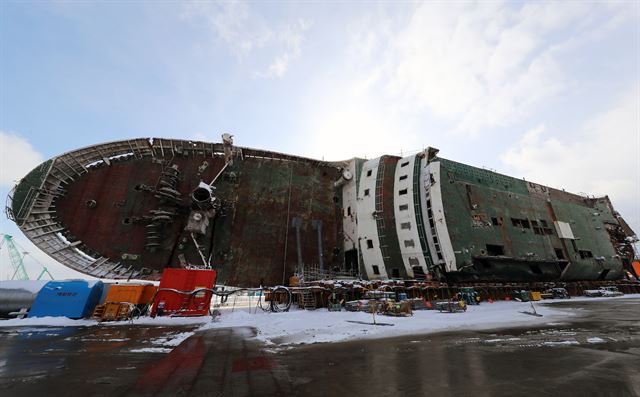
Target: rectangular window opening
[376, 270]
[559, 253]
[395, 273]
[522, 223]
[402, 192]
[406, 163]
[405, 225]
[366, 192]
[403, 207]
[585, 254]
[409, 243]
[403, 177]
[369, 172]
[369, 244]
[495, 250]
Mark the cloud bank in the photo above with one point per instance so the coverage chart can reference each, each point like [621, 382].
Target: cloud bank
[17, 158]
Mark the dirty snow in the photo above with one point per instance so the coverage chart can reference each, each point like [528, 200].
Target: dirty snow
[303, 327]
[67, 322]
[561, 343]
[595, 339]
[151, 350]
[172, 340]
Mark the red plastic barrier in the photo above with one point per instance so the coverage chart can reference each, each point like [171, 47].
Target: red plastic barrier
[177, 297]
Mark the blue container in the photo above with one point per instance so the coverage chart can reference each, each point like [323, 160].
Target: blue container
[69, 298]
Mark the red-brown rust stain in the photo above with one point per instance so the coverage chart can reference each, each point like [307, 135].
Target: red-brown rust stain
[248, 243]
[113, 188]
[263, 215]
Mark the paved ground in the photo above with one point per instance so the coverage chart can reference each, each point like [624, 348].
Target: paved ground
[598, 355]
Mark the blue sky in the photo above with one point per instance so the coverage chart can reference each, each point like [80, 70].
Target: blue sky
[548, 91]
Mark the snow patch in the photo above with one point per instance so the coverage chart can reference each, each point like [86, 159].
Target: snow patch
[151, 350]
[304, 327]
[47, 321]
[595, 339]
[172, 340]
[562, 343]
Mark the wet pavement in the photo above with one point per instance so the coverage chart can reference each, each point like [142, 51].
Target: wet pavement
[594, 355]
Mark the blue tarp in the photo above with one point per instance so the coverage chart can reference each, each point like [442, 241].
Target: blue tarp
[68, 298]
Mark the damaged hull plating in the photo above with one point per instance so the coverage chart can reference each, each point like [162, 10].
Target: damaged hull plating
[128, 209]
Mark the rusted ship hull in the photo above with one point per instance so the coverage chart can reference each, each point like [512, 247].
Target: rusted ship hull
[128, 209]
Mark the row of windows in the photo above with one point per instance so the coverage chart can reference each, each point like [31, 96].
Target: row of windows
[407, 243]
[370, 172]
[540, 227]
[401, 192]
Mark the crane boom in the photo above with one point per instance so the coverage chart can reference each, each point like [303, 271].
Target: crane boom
[15, 258]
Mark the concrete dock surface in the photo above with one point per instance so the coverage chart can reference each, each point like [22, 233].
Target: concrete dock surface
[594, 355]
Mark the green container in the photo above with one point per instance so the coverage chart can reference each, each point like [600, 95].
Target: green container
[522, 295]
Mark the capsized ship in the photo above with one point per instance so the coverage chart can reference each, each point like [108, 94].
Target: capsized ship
[129, 209]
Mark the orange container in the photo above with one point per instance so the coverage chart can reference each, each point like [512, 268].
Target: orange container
[131, 293]
[636, 267]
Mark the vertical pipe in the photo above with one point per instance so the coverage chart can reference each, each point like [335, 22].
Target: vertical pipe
[286, 233]
[296, 222]
[318, 226]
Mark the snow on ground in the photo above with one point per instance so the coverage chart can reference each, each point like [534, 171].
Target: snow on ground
[172, 340]
[46, 321]
[302, 327]
[151, 350]
[67, 322]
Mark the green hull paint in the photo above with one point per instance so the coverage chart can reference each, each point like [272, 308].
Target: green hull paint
[492, 215]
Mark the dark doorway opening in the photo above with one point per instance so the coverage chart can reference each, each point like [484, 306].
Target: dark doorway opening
[351, 260]
[603, 274]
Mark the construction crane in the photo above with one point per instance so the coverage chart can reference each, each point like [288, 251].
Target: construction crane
[16, 259]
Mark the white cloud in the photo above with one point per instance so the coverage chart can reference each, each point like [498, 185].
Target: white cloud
[272, 47]
[17, 158]
[602, 158]
[480, 64]
[466, 67]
